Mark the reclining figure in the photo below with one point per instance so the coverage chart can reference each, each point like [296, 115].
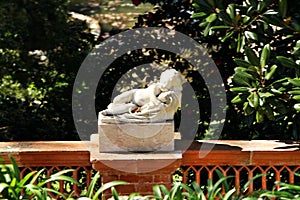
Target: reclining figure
[156, 103]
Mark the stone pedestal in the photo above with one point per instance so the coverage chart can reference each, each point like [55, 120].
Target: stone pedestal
[136, 137]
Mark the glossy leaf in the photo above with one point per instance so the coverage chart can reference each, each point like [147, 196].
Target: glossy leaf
[198, 15]
[255, 100]
[241, 81]
[265, 55]
[251, 35]
[269, 75]
[286, 62]
[295, 82]
[228, 35]
[259, 116]
[253, 59]
[248, 109]
[231, 12]
[297, 106]
[294, 92]
[237, 99]
[296, 97]
[220, 27]
[212, 17]
[239, 89]
[243, 63]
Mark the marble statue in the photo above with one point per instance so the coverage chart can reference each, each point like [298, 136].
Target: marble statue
[156, 103]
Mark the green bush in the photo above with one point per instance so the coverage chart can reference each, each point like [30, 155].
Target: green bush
[41, 48]
[255, 45]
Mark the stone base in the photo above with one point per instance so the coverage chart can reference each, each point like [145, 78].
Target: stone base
[136, 137]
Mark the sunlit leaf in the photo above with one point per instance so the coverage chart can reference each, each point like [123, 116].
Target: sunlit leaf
[297, 106]
[198, 15]
[251, 35]
[212, 17]
[237, 99]
[239, 89]
[265, 55]
[269, 75]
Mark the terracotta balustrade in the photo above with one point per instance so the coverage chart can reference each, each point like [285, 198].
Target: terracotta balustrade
[278, 160]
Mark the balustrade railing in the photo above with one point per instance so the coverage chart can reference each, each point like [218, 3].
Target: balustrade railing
[277, 160]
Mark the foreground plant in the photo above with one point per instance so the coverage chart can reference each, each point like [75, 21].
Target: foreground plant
[32, 186]
[286, 191]
[220, 190]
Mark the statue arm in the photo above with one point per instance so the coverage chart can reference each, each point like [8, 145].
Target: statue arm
[124, 97]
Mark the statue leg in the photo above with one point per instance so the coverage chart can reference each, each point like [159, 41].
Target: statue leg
[118, 109]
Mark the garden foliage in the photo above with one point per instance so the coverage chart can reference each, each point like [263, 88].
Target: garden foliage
[255, 45]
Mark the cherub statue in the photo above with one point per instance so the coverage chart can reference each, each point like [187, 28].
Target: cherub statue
[156, 103]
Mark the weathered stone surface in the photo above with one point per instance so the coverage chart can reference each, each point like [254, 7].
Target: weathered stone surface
[136, 137]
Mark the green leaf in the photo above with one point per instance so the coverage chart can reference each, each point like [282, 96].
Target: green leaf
[26, 178]
[231, 12]
[294, 92]
[250, 35]
[253, 59]
[15, 167]
[195, 5]
[241, 81]
[36, 176]
[207, 29]
[270, 12]
[237, 99]
[212, 17]
[269, 112]
[198, 15]
[106, 186]
[255, 100]
[248, 109]
[259, 116]
[164, 189]
[295, 82]
[114, 193]
[286, 62]
[297, 106]
[246, 185]
[229, 194]
[282, 7]
[225, 18]
[92, 185]
[244, 75]
[250, 99]
[3, 186]
[265, 55]
[54, 192]
[157, 192]
[296, 97]
[220, 27]
[239, 89]
[269, 75]
[228, 35]
[242, 63]
[176, 188]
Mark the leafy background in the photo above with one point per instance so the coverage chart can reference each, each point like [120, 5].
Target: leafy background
[255, 45]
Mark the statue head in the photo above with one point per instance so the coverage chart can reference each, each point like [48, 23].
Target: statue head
[171, 79]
